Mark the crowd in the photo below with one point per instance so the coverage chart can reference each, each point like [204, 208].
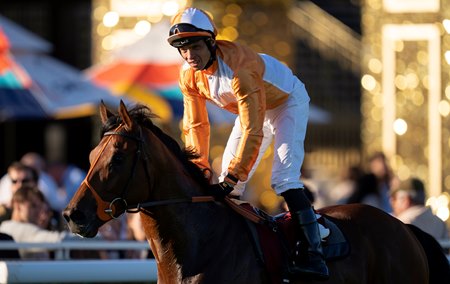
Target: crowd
[378, 186]
[32, 196]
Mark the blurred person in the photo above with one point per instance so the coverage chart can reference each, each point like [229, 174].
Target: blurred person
[27, 205]
[271, 103]
[408, 203]
[46, 184]
[17, 175]
[378, 165]
[347, 184]
[68, 178]
[113, 230]
[367, 191]
[135, 232]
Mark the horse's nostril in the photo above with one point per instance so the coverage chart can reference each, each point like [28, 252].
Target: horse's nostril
[75, 215]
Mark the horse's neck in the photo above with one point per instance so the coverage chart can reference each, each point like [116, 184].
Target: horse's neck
[178, 233]
[186, 237]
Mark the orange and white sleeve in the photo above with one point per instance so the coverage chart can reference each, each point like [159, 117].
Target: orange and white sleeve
[196, 127]
[250, 94]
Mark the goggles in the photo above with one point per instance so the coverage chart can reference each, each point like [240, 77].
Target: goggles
[184, 28]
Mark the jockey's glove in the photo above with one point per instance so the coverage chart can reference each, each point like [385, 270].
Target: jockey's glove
[222, 189]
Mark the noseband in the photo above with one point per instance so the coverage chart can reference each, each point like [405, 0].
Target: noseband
[111, 212]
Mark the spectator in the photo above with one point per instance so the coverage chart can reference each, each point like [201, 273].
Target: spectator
[378, 165]
[366, 191]
[27, 205]
[68, 178]
[347, 185]
[408, 203]
[136, 232]
[18, 175]
[46, 183]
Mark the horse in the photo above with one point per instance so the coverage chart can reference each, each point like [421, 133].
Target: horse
[137, 168]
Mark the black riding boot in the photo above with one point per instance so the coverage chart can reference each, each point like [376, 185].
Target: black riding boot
[315, 266]
[302, 213]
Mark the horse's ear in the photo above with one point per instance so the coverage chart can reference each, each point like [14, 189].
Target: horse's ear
[105, 113]
[123, 112]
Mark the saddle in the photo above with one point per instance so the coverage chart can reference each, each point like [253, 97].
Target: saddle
[274, 238]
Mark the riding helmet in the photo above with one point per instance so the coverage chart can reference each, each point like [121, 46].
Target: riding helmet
[191, 25]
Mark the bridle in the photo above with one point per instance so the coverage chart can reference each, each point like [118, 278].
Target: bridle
[108, 210]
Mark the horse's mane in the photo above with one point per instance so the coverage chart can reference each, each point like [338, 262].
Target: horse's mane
[142, 115]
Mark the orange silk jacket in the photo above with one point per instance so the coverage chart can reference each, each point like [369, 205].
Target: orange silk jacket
[243, 82]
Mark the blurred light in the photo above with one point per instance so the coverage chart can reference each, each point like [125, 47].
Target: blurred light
[444, 108]
[442, 207]
[403, 172]
[447, 92]
[99, 12]
[170, 8]
[418, 99]
[447, 56]
[234, 9]
[400, 82]
[412, 81]
[142, 27]
[155, 18]
[375, 65]
[108, 43]
[102, 30]
[230, 33]
[399, 45]
[230, 20]
[368, 82]
[422, 57]
[443, 213]
[110, 19]
[439, 206]
[446, 24]
[400, 126]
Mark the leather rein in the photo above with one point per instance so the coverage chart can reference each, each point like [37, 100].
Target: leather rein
[108, 210]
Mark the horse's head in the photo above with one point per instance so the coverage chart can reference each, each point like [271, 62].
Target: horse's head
[117, 172]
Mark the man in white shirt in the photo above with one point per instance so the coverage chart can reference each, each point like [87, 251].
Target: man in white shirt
[408, 204]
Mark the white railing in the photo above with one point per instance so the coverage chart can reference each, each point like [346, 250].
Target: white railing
[78, 271]
[62, 250]
[65, 270]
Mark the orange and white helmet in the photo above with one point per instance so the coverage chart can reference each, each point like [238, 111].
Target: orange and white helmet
[190, 25]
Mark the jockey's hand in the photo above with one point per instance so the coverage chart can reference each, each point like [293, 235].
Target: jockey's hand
[222, 189]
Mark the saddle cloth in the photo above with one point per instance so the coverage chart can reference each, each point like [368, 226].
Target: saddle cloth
[275, 237]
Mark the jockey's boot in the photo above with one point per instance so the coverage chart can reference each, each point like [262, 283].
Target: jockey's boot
[315, 265]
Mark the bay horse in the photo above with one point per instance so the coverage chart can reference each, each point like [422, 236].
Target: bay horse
[136, 167]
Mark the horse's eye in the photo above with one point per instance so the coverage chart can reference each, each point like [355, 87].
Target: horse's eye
[116, 161]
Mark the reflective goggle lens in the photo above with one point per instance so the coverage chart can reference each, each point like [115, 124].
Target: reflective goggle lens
[182, 28]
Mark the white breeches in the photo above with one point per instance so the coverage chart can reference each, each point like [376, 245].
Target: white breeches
[287, 124]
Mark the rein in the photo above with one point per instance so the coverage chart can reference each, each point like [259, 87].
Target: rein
[109, 209]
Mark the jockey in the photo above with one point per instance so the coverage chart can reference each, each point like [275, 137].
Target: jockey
[271, 103]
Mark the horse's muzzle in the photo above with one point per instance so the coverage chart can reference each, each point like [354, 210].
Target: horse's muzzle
[79, 224]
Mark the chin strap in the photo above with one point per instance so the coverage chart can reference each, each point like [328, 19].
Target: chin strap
[212, 49]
